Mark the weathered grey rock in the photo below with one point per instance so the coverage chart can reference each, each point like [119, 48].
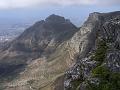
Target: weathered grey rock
[99, 26]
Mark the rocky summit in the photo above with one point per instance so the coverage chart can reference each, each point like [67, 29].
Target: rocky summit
[54, 54]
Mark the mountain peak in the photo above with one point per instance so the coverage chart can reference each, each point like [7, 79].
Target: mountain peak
[43, 32]
[55, 18]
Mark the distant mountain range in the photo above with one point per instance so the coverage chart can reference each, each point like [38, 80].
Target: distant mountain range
[54, 54]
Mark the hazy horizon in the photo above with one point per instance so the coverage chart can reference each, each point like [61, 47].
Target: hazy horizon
[30, 11]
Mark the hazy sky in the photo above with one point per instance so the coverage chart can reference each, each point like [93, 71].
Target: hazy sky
[33, 10]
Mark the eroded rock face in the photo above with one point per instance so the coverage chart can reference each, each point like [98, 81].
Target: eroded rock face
[113, 61]
[112, 34]
[100, 27]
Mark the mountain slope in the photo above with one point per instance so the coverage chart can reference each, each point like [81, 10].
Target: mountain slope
[98, 62]
[38, 56]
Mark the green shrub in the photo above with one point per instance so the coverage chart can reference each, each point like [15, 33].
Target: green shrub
[100, 52]
[108, 80]
[115, 80]
[101, 72]
[75, 84]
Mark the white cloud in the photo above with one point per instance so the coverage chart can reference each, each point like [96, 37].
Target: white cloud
[108, 2]
[29, 3]
[6, 4]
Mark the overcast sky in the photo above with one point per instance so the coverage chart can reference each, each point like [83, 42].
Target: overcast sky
[76, 10]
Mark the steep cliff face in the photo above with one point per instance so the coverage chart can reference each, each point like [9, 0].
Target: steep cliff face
[98, 62]
[39, 56]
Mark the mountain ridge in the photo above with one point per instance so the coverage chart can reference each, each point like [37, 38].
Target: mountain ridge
[97, 66]
[58, 56]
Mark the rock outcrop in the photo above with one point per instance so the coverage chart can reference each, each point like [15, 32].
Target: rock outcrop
[98, 62]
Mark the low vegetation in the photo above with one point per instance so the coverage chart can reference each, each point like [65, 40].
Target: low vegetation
[108, 80]
[75, 84]
[100, 52]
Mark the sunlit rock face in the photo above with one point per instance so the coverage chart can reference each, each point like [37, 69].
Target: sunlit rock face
[99, 50]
